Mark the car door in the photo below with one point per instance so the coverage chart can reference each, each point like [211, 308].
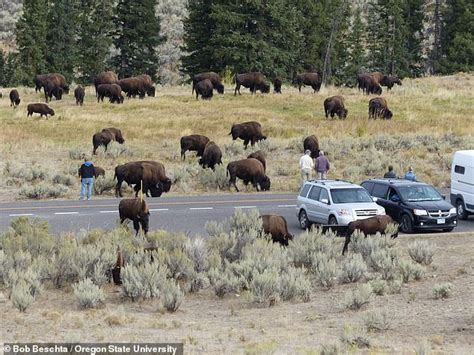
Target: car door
[313, 204]
[379, 191]
[393, 204]
[323, 206]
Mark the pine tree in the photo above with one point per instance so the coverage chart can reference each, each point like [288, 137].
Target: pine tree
[136, 38]
[3, 59]
[31, 31]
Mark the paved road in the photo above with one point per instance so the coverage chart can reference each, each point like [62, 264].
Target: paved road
[187, 214]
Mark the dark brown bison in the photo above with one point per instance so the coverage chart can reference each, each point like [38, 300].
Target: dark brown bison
[105, 136]
[378, 108]
[79, 94]
[52, 89]
[248, 132]
[277, 83]
[310, 79]
[249, 170]
[112, 91]
[98, 171]
[39, 79]
[213, 77]
[368, 84]
[334, 105]
[193, 143]
[204, 88]
[137, 211]
[211, 156]
[151, 174]
[116, 270]
[368, 226]
[14, 98]
[276, 226]
[390, 81]
[254, 81]
[40, 108]
[311, 143]
[148, 82]
[106, 77]
[57, 80]
[260, 157]
[138, 85]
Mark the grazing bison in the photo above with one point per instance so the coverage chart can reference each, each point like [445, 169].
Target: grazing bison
[390, 81]
[105, 136]
[254, 81]
[137, 211]
[334, 105]
[39, 79]
[112, 91]
[368, 84]
[14, 98]
[277, 83]
[276, 226]
[56, 79]
[211, 156]
[204, 88]
[213, 77]
[107, 77]
[138, 85]
[79, 94]
[52, 89]
[40, 108]
[248, 132]
[311, 143]
[194, 143]
[249, 170]
[311, 79]
[98, 171]
[260, 157]
[378, 109]
[368, 226]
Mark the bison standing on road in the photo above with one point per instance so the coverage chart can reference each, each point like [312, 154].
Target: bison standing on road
[276, 226]
[260, 157]
[311, 143]
[204, 88]
[249, 170]
[14, 98]
[254, 81]
[368, 226]
[213, 77]
[334, 105]
[137, 211]
[105, 136]
[311, 79]
[277, 83]
[378, 108]
[211, 157]
[194, 143]
[112, 91]
[107, 77]
[79, 94]
[40, 108]
[248, 131]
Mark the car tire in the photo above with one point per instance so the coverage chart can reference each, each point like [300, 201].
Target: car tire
[406, 225]
[447, 230]
[304, 220]
[332, 221]
[461, 210]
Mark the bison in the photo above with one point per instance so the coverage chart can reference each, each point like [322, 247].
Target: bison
[112, 91]
[311, 79]
[249, 170]
[52, 89]
[137, 211]
[105, 136]
[98, 171]
[204, 88]
[311, 143]
[277, 83]
[260, 157]
[40, 108]
[107, 77]
[211, 156]
[138, 85]
[213, 77]
[58, 80]
[368, 226]
[194, 143]
[378, 109]
[368, 84]
[248, 132]
[334, 105]
[390, 81]
[79, 94]
[14, 98]
[276, 226]
[39, 79]
[254, 81]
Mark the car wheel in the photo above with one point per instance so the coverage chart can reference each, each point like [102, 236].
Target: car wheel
[461, 210]
[304, 221]
[332, 221]
[447, 230]
[406, 225]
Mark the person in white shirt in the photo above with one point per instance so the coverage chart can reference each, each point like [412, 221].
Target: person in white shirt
[306, 166]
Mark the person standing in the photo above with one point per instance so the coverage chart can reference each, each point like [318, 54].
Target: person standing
[410, 175]
[306, 166]
[86, 173]
[390, 174]
[322, 166]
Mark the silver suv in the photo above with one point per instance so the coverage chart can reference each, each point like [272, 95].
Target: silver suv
[334, 202]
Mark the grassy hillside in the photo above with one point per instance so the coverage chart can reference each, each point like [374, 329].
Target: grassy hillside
[432, 118]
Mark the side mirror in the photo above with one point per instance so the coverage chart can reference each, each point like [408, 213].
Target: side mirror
[325, 200]
[374, 199]
[444, 197]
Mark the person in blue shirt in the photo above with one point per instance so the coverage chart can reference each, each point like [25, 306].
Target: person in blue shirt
[86, 172]
[410, 175]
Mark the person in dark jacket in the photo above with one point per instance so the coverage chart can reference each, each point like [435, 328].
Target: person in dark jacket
[86, 173]
[322, 166]
[390, 174]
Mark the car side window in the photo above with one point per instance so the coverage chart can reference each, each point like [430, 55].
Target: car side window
[314, 193]
[393, 195]
[368, 185]
[380, 191]
[324, 195]
[304, 191]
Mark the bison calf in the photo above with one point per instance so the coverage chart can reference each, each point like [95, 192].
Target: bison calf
[249, 170]
[378, 108]
[14, 98]
[276, 226]
[334, 105]
[248, 132]
[79, 94]
[277, 83]
[260, 157]
[105, 136]
[213, 77]
[137, 211]
[212, 156]
[40, 108]
[193, 143]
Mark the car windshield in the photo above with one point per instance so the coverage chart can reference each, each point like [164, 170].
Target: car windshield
[356, 195]
[419, 193]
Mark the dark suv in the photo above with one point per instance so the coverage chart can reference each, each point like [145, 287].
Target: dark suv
[414, 205]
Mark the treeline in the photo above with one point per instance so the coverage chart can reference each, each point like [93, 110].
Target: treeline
[337, 38]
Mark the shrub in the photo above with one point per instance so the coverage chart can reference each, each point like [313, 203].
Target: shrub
[198, 281]
[265, 287]
[395, 286]
[63, 179]
[29, 173]
[93, 261]
[102, 185]
[172, 296]
[421, 252]
[196, 250]
[214, 179]
[379, 287]
[326, 270]
[30, 277]
[442, 290]
[408, 270]
[179, 265]
[308, 243]
[223, 282]
[355, 299]
[64, 268]
[377, 320]
[353, 269]
[43, 190]
[21, 296]
[295, 284]
[385, 262]
[88, 294]
[329, 349]
[115, 150]
[76, 154]
[233, 150]
[355, 336]
[132, 282]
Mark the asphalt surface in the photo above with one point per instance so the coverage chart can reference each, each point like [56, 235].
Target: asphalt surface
[187, 214]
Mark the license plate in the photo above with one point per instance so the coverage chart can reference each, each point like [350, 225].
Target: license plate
[441, 221]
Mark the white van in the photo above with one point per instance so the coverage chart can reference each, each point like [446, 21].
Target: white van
[462, 183]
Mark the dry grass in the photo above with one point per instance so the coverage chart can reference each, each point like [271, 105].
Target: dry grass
[425, 111]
